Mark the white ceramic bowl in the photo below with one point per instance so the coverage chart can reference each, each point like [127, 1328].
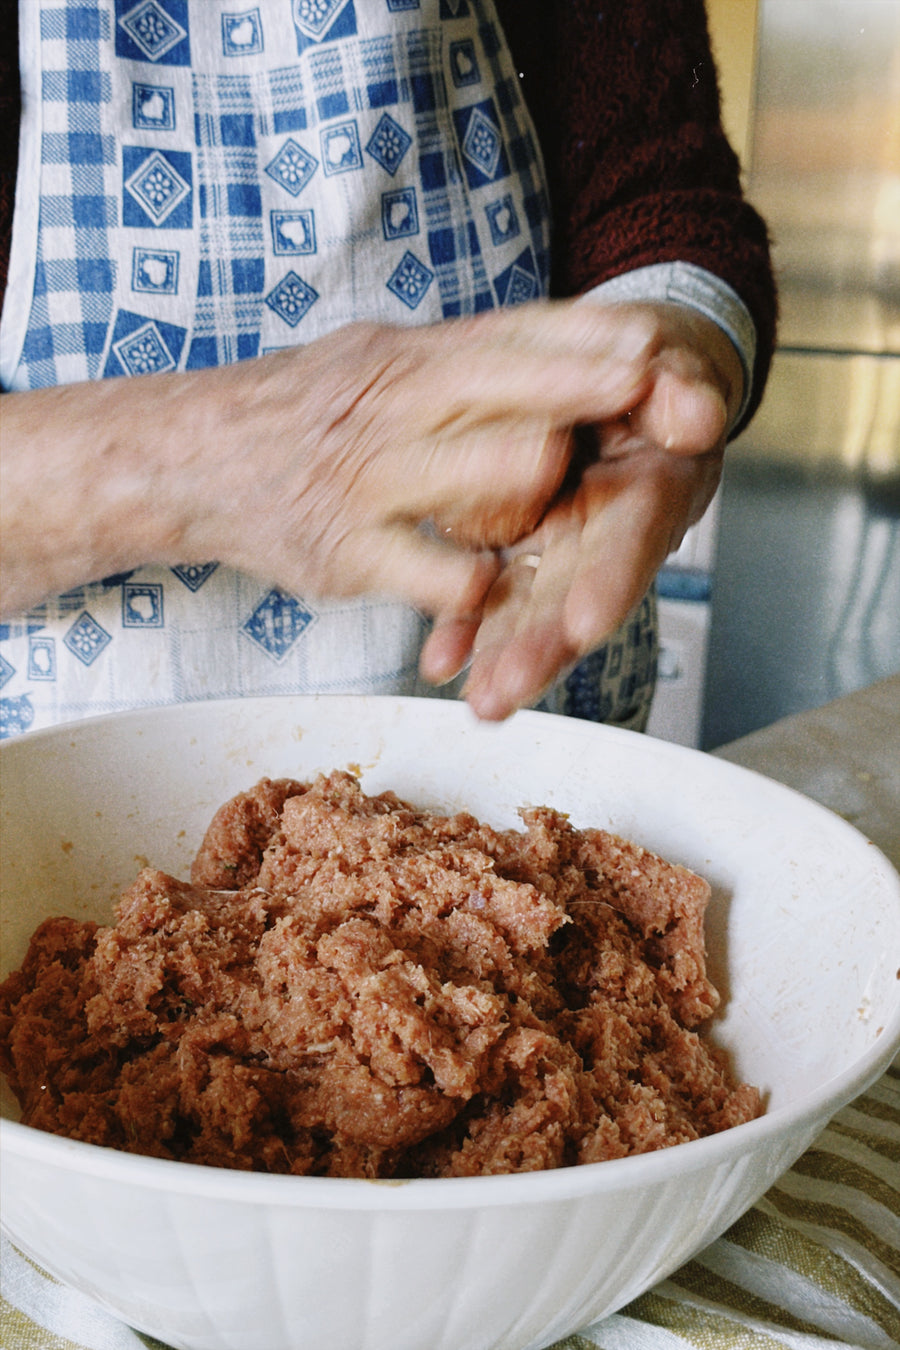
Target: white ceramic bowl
[804, 938]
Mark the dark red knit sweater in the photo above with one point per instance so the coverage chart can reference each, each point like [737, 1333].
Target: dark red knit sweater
[626, 104]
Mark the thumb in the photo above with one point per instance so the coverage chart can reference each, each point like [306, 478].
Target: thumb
[682, 415]
[404, 562]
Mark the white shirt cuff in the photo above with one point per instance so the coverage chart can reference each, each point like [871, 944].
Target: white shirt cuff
[686, 284]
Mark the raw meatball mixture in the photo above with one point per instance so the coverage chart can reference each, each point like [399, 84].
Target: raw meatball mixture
[350, 986]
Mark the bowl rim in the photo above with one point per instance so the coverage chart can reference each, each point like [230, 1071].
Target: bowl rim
[799, 1120]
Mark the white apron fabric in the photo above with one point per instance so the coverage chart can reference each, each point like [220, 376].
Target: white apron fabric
[204, 181]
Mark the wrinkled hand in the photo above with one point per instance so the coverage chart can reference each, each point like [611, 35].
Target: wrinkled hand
[337, 454]
[642, 474]
[395, 461]
[315, 468]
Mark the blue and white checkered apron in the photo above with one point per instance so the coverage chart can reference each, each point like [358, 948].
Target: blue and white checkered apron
[203, 181]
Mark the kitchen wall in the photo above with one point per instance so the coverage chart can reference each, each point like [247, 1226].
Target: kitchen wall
[734, 35]
[806, 562]
[824, 169]
[685, 584]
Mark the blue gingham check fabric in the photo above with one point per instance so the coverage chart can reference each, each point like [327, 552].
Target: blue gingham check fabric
[203, 182]
[74, 161]
[197, 187]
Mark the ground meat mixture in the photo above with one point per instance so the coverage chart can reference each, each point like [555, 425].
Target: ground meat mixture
[350, 986]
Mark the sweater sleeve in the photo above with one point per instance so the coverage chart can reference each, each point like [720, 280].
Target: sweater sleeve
[625, 101]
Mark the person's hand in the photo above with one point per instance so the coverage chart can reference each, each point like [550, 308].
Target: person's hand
[317, 468]
[640, 477]
[421, 452]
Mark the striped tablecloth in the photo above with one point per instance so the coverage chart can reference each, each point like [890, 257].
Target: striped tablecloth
[816, 1264]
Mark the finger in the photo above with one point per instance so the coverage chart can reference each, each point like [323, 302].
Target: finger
[684, 416]
[503, 680]
[637, 510]
[557, 360]
[447, 647]
[601, 551]
[521, 645]
[485, 487]
[400, 561]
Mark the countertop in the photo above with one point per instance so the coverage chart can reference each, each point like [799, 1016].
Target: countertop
[845, 755]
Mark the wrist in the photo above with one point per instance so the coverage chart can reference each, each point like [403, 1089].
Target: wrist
[697, 290]
[90, 483]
